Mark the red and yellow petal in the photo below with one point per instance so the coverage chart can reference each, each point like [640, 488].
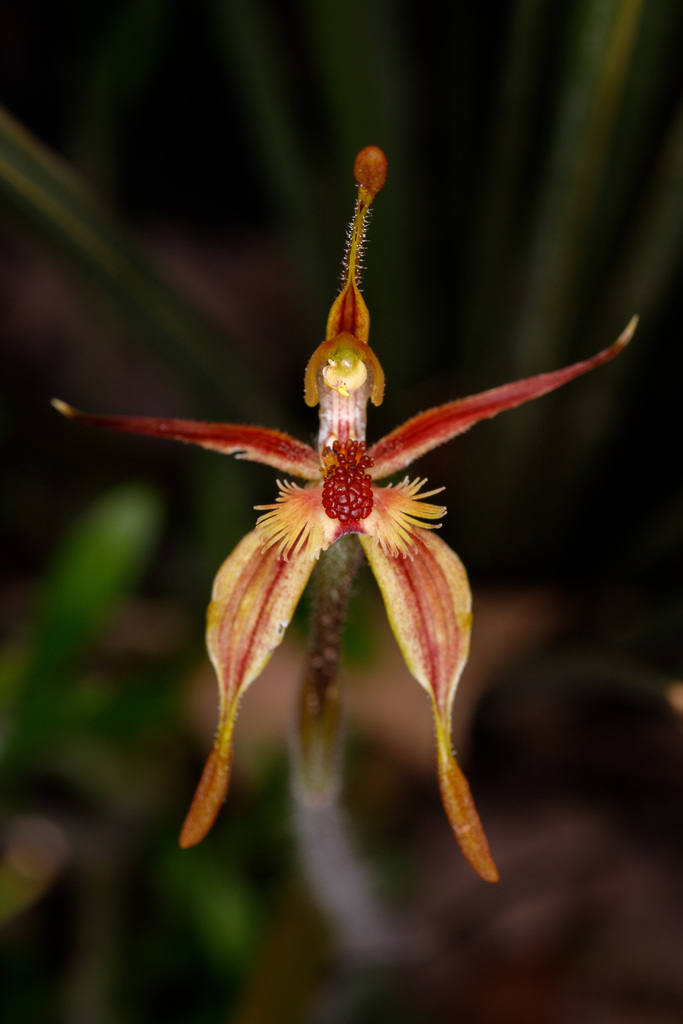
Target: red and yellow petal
[254, 596]
[429, 606]
[429, 429]
[259, 444]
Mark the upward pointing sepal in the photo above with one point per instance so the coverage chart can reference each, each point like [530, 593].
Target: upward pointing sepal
[349, 312]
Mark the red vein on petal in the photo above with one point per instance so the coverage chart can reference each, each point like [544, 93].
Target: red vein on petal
[254, 598]
[428, 603]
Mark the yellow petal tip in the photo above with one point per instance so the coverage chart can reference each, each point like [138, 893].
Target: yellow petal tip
[63, 408]
[628, 332]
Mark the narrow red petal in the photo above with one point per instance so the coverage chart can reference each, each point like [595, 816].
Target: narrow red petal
[259, 444]
[429, 429]
[428, 603]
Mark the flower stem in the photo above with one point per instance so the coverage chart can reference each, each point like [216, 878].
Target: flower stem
[316, 747]
[336, 875]
[362, 931]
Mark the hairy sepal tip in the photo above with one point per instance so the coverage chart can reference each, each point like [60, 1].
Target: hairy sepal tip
[370, 169]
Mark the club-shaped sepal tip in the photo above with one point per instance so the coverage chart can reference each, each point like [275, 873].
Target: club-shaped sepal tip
[370, 170]
[209, 796]
[462, 814]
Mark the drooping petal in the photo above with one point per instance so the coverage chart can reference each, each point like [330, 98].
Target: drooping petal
[254, 596]
[259, 444]
[429, 604]
[429, 429]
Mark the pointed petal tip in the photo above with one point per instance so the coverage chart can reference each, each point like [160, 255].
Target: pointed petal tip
[463, 817]
[487, 871]
[615, 348]
[63, 408]
[208, 799]
[426, 431]
[628, 332]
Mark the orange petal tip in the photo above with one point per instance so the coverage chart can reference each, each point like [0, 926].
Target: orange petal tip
[370, 169]
[463, 818]
[209, 796]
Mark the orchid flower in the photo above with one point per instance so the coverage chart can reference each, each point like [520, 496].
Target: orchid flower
[339, 498]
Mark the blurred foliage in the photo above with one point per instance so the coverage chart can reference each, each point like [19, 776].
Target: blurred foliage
[534, 203]
[93, 570]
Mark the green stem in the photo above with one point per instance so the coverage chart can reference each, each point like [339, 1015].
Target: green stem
[316, 749]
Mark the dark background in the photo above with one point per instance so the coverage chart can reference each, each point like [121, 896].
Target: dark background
[170, 242]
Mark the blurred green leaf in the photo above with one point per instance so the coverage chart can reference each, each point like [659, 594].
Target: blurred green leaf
[539, 456]
[248, 42]
[119, 63]
[286, 971]
[495, 239]
[227, 914]
[97, 564]
[597, 62]
[47, 196]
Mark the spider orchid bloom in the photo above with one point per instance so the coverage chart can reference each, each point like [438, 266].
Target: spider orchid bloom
[423, 582]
